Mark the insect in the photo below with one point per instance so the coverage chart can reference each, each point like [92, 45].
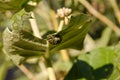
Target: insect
[54, 38]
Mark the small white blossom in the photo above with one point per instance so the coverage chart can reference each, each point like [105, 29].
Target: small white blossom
[65, 14]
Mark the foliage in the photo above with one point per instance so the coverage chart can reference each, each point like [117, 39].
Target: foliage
[87, 48]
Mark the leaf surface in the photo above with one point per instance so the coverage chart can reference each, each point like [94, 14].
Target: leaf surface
[97, 64]
[73, 35]
[18, 41]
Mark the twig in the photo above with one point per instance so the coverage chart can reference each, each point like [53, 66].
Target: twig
[100, 16]
[116, 9]
[26, 72]
[34, 26]
[22, 68]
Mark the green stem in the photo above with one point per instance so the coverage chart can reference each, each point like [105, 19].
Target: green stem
[47, 56]
[60, 25]
[50, 70]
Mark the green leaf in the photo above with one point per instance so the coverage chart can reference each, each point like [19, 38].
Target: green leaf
[116, 73]
[18, 42]
[99, 57]
[97, 64]
[17, 5]
[23, 43]
[29, 8]
[79, 70]
[101, 60]
[73, 35]
[13, 5]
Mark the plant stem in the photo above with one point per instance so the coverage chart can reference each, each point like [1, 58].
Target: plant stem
[37, 34]
[50, 70]
[51, 73]
[34, 26]
[35, 29]
[26, 72]
[100, 16]
[64, 54]
[60, 25]
[116, 9]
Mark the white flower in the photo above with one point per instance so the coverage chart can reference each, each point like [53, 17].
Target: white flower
[64, 13]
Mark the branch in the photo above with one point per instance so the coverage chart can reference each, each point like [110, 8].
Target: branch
[116, 9]
[26, 72]
[22, 68]
[100, 16]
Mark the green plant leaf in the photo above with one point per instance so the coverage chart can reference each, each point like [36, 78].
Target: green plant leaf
[23, 43]
[13, 5]
[73, 35]
[79, 70]
[97, 64]
[116, 73]
[16, 5]
[101, 60]
[18, 42]
[99, 57]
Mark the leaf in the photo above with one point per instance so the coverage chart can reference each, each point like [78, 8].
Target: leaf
[74, 34]
[116, 73]
[17, 5]
[20, 21]
[97, 64]
[14, 5]
[29, 8]
[23, 43]
[99, 57]
[18, 42]
[101, 60]
[79, 70]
